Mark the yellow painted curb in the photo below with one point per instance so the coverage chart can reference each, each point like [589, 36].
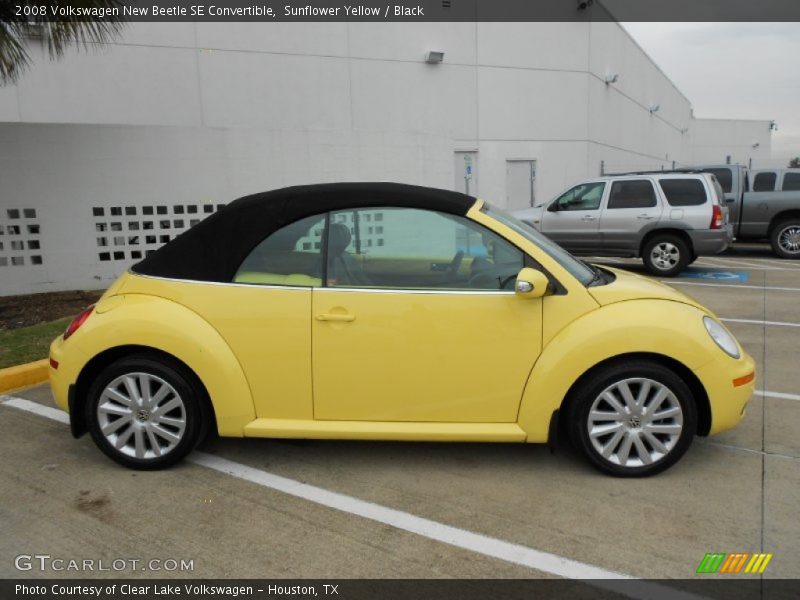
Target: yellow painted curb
[22, 375]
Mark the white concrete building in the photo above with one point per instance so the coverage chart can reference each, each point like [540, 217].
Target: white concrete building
[182, 117]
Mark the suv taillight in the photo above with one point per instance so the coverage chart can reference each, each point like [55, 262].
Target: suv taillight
[78, 321]
[716, 217]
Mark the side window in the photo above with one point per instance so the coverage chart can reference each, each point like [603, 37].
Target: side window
[586, 196]
[725, 178]
[636, 193]
[291, 255]
[791, 182]
[683, 192]
[417, 249]
[764, 182]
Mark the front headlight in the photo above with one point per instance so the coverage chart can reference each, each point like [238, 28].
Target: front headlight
[722, 337]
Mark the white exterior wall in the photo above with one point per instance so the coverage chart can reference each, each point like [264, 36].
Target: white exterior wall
[205, 112]
[713, 140]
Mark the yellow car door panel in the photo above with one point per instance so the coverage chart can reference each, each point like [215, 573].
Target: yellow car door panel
[422, 356]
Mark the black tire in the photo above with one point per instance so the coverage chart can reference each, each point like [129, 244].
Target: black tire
[781, 235]
[595, 384]
[192, 412]
[671, 245]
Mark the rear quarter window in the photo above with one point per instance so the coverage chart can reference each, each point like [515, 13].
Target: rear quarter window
[791, 182]
[683, 192]
[764, 182]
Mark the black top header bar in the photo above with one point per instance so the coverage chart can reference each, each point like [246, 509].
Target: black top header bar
[409, 10]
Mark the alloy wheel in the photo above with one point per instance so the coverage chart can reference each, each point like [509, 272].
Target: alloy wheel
[141, 415]
[665, 255]
[635, 422]
[789, 239]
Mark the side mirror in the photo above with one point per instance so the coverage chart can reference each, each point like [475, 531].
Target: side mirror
[553, 207]
[531, 284]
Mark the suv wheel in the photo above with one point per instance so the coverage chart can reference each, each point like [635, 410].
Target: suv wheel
[634, 419]
[665, 255]
[785, 238]
[145, 413]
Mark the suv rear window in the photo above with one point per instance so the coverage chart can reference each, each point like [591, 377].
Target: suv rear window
[764, 182]
[637, 193]
[791, 182]
[724, 177]
[684, 192]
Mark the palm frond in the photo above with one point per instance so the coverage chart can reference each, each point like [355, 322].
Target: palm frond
[58, 34]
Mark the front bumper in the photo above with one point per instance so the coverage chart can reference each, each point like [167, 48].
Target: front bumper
[726, 400]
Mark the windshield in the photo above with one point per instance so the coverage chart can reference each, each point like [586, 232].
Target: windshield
[576, 268]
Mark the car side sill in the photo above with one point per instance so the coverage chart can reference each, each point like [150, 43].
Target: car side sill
[385, 430]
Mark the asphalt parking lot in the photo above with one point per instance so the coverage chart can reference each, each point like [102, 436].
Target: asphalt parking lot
[225, 510]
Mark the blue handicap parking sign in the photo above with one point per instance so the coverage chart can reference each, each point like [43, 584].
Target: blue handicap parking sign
[715, 275]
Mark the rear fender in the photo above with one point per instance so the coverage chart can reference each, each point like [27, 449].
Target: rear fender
[164, 325]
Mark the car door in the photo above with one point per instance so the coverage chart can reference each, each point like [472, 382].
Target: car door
[418, 322]
[632, 209]
[572, 219]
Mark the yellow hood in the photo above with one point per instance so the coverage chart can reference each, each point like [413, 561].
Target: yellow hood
[630, 286]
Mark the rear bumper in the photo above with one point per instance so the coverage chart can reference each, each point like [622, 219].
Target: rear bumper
[62, 383]
[711, 241]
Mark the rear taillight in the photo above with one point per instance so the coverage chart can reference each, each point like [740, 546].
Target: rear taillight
[78, 321]
[716, 217]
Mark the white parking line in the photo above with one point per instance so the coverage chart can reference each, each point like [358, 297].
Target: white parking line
[704, 263]
[757, 322]
[730, 285]
[777, 395]
[753, 265]
[788, 263]
[35, 408]
[707, 442]
[454, 536]
[728, 264]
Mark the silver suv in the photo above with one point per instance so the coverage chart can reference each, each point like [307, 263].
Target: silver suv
[666, 219]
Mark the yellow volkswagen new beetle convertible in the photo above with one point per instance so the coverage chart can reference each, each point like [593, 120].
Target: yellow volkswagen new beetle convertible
[392, 312]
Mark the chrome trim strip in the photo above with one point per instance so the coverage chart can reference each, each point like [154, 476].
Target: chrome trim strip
[414, 291]
[223, 283]
[330, 289]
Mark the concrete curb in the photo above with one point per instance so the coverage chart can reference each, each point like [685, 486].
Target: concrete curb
[24, 375]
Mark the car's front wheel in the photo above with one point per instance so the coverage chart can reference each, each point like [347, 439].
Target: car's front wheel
[145, 412]
[633, 419]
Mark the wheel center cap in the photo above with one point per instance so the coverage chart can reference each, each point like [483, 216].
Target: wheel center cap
[634, 422]
[142, 415]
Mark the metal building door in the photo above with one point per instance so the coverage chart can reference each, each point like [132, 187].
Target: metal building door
[466, 170]
[520, 183]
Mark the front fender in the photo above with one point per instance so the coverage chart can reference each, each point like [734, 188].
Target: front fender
[161, 324]
[664, 327]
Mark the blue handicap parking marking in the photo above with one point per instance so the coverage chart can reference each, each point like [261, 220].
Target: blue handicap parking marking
[715, 274]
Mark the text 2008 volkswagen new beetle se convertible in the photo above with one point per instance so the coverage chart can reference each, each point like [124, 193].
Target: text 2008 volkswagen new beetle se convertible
[392, 312]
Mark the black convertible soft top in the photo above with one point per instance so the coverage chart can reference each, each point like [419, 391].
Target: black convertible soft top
[213, 249]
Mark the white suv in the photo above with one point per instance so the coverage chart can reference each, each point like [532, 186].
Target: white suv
[667, 219]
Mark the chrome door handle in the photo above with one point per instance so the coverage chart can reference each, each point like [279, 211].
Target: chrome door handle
[339, 318]
[645, 217]
[588, 218]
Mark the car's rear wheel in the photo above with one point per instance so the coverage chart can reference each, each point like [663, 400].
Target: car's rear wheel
[633, 419]
[145, 412]
[785, 238]
[665, 255]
